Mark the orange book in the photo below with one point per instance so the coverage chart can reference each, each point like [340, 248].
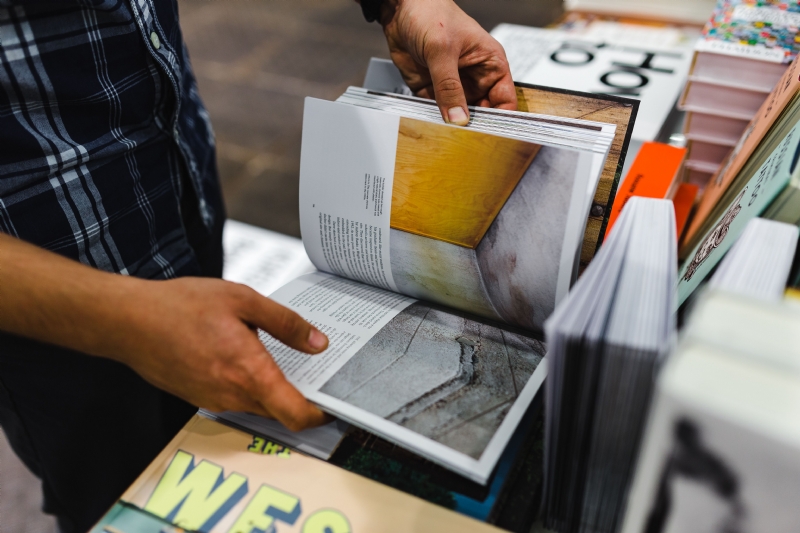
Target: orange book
[654, 174]
[683, 202]
[769, 112]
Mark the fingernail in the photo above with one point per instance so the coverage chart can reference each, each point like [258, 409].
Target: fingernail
[456, 115]
[317, 339]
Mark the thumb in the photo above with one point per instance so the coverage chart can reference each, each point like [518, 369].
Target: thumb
[447, 88]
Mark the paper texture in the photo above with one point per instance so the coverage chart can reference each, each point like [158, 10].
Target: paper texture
[345, 190]
[215, 479]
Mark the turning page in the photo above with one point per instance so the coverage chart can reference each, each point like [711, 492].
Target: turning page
[490, 224]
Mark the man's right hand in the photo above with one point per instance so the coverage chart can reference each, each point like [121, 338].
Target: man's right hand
[197, 340]
[193, 337]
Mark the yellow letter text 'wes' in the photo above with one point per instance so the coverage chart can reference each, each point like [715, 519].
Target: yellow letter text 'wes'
[195, 497]
[268, 504]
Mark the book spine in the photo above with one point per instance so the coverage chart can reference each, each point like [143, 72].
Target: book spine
[746, 51]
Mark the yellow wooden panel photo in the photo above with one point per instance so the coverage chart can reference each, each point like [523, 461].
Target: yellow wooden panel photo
[450, 183]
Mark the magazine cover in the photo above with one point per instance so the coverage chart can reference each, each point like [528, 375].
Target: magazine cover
[214, 479]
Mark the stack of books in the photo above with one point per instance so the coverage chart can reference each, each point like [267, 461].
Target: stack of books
[604, 344]
[761, 178]
[444, 263]
[722, 446]
[745, 49]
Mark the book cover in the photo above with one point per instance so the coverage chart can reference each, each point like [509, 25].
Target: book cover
[215, 479]
[722, 443]
[654, 174]
[683, 201]
[647, 63]
[766, 31]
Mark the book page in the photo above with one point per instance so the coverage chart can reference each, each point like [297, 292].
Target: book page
[346, 190]
[487, 224]
[449, 386]
[261, 259]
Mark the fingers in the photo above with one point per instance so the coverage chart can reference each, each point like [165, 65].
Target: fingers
[283, 401]
[447, 88]
[503, 94]
[283, 324]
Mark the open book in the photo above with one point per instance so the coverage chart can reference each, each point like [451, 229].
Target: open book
[442, 250]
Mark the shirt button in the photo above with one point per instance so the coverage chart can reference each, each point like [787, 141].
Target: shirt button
[155, 40]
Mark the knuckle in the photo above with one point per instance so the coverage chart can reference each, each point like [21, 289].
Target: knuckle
[242, 295]
[448, 86]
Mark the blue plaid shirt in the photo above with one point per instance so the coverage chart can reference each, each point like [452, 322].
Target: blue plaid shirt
[101, 128]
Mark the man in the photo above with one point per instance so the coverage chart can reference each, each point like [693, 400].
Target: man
[107, 167]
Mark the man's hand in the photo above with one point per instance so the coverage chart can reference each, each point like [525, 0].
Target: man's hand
[444, 54]
[193, 337]
[197, 339]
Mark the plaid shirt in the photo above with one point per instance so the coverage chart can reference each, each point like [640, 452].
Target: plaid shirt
[100, 126]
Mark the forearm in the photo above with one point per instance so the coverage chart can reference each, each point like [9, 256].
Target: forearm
[47, 297]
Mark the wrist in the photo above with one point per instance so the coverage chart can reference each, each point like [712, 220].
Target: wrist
[387, 10]
[107, 315]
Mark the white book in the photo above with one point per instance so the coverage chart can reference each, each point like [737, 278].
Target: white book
[650, 64]
[758, 264]
[603, 344]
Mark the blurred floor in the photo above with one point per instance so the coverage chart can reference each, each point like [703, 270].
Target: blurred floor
[255, 61]
[20, 496]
